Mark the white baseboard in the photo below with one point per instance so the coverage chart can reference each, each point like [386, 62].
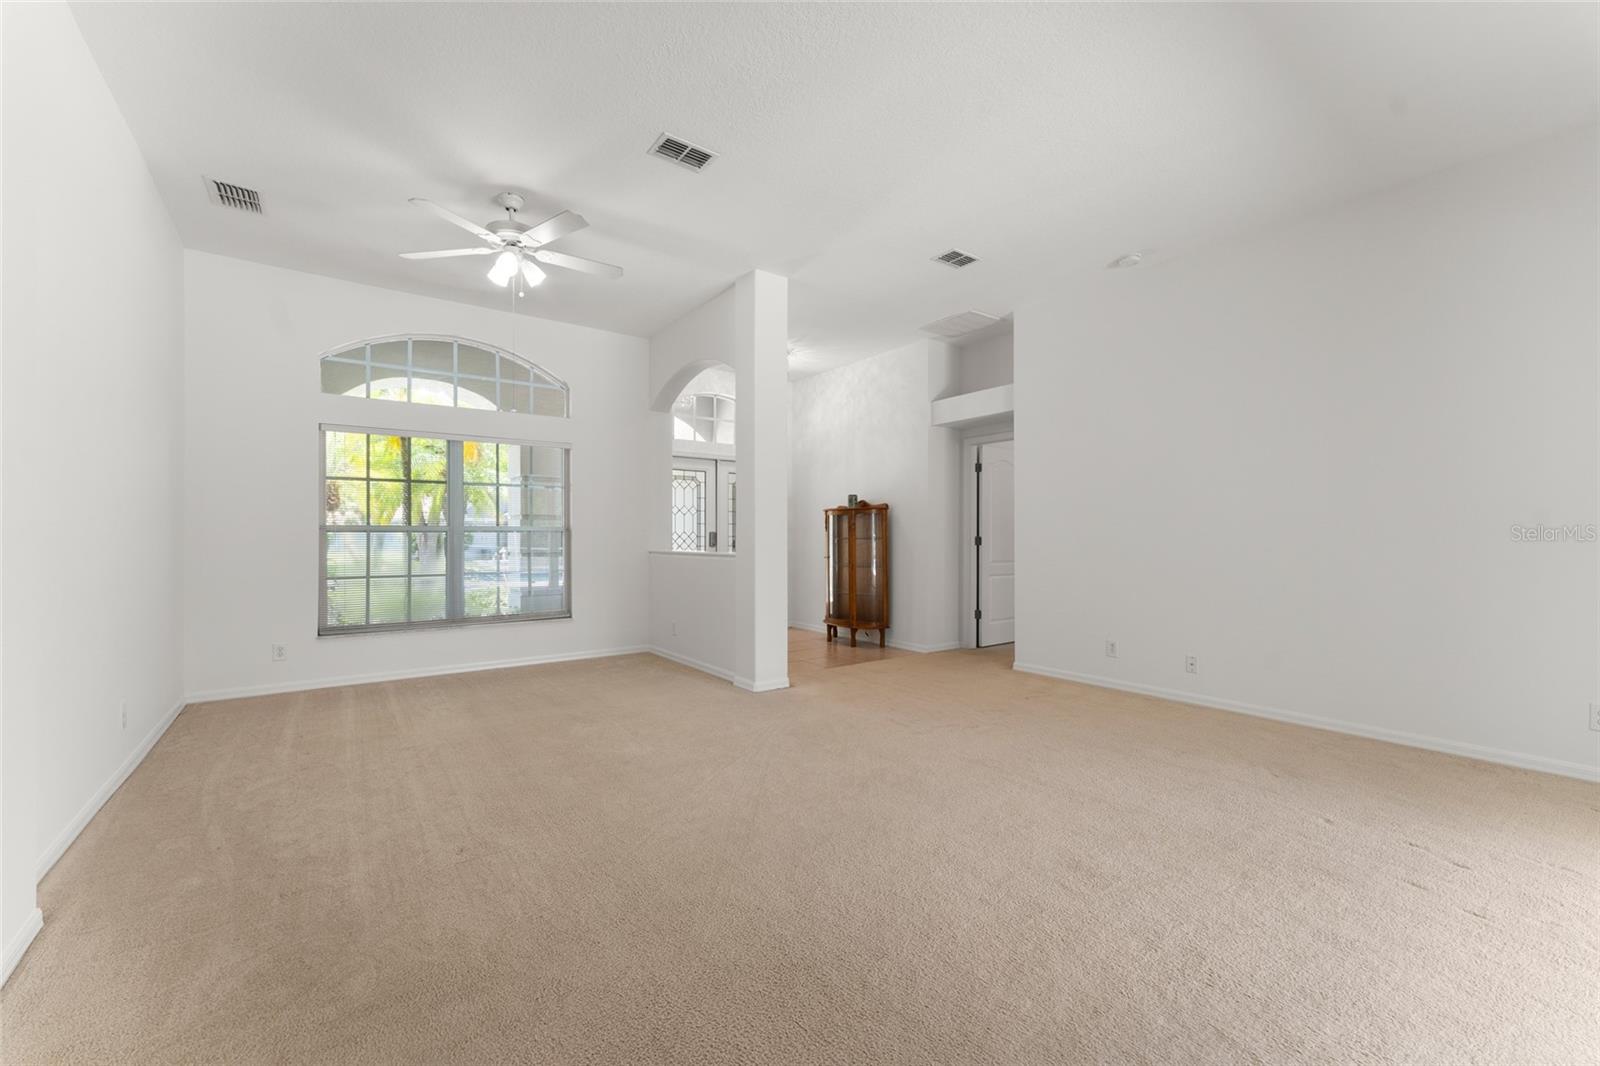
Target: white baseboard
[18, 945]
[210, 695]
[772, 685]
[696, 664]
[718, 672]
[1332, 725]
[64, 839]
[894, 642]
[927, 649]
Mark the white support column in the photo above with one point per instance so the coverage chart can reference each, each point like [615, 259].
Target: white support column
[761, 369]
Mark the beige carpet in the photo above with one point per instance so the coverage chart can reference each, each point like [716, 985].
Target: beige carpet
[922, 859]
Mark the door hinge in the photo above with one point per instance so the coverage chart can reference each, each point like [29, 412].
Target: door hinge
[978, 541]
[978, 614]
[977, 468]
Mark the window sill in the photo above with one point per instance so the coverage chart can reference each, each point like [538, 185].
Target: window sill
[449, 623]
[694, 555]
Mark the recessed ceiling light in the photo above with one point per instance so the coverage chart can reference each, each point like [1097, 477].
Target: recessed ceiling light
[1123, 262]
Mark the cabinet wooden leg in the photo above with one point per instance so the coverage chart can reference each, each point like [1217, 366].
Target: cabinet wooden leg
[881, 639]
[852, 638]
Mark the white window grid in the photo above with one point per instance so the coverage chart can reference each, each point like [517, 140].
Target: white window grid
[703, 416]
[455, 530]
[516, 385]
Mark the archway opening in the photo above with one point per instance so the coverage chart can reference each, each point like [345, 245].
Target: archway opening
[705, 480]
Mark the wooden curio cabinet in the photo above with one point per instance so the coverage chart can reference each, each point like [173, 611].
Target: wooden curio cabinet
[856, 543]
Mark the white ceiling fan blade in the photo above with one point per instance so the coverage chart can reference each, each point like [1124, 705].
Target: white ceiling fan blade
[556, 227]
[446, 254]
[577, 262]
[453, 218]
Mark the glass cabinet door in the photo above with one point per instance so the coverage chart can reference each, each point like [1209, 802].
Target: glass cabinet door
[868, 568]
[838, 566]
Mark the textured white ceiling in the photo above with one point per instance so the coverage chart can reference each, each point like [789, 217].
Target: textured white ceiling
[856, 140]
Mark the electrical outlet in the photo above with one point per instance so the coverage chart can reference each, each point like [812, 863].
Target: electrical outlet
[1191, 665]
[280, 652]
[124, 714]
[1594, 717]
[1111, 649]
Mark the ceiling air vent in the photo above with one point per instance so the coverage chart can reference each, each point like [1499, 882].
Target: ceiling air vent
[227, 194]
[956, 258]
[676, 150]
[959, 325]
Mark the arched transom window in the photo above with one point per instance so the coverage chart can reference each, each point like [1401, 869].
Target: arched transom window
[445, 371]
[703, 416]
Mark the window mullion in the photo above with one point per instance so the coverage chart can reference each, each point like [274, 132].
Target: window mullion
[455, 497]
[366, 487]
[405, 501]
[566, 534]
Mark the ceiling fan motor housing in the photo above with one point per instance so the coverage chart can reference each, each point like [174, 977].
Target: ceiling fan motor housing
[507, 228]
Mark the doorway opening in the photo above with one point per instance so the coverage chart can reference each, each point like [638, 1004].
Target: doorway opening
[989, 573]
[705, 482]
[705, 504]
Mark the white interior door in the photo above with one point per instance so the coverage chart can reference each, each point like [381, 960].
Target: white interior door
[997, 561]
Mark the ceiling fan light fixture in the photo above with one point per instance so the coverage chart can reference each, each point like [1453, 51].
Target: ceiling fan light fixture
[504, 269]
[514, 244]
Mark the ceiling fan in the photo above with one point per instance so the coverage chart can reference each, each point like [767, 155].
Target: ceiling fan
[517, 247]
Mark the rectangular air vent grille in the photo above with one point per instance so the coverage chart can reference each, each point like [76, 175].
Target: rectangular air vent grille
[227, 194]
[679, 151]
[956, 258]
[959, 325]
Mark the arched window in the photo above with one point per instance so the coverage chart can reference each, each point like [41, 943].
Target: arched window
[703, 416]
[446, 371]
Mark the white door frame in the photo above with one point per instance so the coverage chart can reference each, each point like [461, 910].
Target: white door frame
[969, 529]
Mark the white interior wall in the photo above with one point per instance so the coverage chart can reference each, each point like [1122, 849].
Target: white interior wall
[92, 425]
[866, 428]
[761, 428]
[745, 327]
[1300, 458]
[718, 380]
[697, 344]
[692, 601]
[254, 335]
[985, 364]
[693, 610]
[18, 890]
